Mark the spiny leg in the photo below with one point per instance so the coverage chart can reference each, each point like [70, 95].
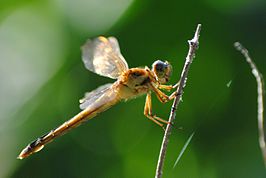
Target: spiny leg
[154, 80]
[168, 87]
[148, 112]
[162, 96]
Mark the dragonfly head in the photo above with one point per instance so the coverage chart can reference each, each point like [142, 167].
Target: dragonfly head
[162, 70]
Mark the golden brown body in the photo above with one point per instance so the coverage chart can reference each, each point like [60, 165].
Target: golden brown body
[130, 84]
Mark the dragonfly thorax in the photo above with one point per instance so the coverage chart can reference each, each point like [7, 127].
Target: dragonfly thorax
[134, 82]
[136, 77]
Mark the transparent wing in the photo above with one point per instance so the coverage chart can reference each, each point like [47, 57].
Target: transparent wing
[96, 95]
[102, 56]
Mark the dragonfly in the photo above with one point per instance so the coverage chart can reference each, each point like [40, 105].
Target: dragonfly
[102, 56]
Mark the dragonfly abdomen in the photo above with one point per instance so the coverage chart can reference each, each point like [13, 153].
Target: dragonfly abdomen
[88, 113]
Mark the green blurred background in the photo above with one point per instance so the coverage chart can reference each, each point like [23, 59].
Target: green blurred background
[42, 78]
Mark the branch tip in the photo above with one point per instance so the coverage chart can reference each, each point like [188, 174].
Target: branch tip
[193, 46]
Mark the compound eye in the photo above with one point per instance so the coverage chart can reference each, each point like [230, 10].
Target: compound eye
[162, 70]
[160, 67]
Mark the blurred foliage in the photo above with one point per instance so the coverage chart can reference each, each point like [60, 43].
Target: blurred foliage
[42, 78]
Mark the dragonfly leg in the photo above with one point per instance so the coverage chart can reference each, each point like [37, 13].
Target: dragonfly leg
[148, 112]
[164, 87]
[157, 86]
[168, 87]
[162, 96]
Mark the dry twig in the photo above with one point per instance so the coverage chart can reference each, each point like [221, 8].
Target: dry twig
[193, 46]
[260, 88]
